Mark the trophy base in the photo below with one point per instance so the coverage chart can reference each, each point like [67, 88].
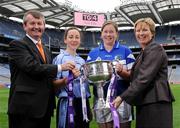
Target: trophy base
[101, 104]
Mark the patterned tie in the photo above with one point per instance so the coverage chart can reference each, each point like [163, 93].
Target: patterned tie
[39, 46]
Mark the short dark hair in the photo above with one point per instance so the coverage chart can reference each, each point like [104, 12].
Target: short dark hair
[35, 14]
[71, 28]
[110, 22]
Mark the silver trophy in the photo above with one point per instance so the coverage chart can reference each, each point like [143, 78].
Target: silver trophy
[98, 72]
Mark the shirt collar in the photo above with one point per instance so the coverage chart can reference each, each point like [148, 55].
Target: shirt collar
[67, 54]
[33, 40]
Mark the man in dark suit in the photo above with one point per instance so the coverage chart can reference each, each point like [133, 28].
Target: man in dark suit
[31, 98]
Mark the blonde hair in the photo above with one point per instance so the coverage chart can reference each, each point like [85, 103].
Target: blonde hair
[149, 22]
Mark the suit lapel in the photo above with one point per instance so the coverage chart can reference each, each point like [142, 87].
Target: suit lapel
[34, 49]
[136, 63]
[140, 58]
[137, 59]
[46, 54]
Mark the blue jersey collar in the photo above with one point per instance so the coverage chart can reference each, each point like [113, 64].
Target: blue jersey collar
[116, 45]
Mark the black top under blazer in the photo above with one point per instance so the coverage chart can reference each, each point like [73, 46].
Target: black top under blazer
[31, 91]
[149, 77]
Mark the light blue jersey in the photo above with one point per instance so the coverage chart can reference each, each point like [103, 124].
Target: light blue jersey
[64, 57]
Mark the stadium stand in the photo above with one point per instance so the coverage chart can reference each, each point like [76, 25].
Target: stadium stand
[61, 15]
[127, 38]
[174, 74]
[162, 34]
[90, 40]
[4, 74]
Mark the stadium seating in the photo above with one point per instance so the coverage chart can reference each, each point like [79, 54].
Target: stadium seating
[174, 73]
[53, 38]
[4, 73]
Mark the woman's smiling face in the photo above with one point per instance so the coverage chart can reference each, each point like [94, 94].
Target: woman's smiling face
[143, 34]
[73, 39]
[109, 34]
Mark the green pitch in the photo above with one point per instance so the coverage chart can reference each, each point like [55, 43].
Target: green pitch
[4, 97]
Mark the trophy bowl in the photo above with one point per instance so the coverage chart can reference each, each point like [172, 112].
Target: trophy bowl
[98, 71]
